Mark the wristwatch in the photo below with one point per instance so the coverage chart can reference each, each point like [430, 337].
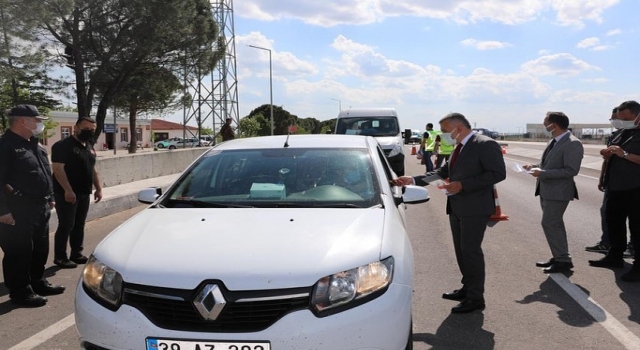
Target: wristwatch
[625, 154]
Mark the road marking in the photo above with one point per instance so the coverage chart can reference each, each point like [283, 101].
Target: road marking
[604, 318]
[46, 334]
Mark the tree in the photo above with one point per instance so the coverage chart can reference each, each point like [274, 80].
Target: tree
[282, 119]
[23, 67]
[250, 126]
[150, 88]
[108, 41]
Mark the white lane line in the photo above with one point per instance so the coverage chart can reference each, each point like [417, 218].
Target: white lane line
[604, 318]
[46, 334]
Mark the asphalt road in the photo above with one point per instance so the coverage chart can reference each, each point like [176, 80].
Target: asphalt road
[526, 309]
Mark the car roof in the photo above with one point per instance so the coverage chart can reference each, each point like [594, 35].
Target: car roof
[299, 141]
[368, 112]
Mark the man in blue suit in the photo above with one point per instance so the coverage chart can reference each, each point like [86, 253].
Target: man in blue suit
[473, 169]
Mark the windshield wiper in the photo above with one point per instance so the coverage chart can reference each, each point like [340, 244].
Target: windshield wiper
[203, 204]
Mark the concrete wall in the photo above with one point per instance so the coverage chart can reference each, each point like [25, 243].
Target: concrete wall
[140, 166]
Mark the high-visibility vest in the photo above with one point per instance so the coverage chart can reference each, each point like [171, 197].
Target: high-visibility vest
[445, 148]
[431, 141]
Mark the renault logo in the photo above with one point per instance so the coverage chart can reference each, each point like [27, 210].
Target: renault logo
[210, 302]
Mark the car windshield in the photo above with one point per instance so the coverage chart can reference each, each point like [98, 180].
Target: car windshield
[368, 126]
[277, 178]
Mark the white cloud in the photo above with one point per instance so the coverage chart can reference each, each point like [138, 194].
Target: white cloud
[561, 65]
[614, 32]
[358, 12]
[485, 45]
[588, 42]
[575, 13]
[257, 60]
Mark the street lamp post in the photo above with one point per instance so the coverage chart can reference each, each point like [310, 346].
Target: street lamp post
[339, 103]
[270, 83]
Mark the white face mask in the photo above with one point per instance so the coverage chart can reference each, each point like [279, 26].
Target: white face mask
[39, 129]
[549, 132]
[628, 124]
[448, 138]
[616, 123]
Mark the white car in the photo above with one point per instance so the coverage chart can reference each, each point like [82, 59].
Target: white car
[267, 243]
[184, 143]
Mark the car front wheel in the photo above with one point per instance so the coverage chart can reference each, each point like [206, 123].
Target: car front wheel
[172, 147]
[160, 145]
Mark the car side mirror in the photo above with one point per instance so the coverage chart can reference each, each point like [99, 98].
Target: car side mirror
[149, 195]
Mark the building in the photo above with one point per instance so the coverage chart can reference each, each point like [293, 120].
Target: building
[116, 133]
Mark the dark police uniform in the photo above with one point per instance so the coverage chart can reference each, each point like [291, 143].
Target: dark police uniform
[79, 161]
[25, 192]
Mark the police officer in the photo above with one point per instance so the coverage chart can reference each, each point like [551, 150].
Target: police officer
[26, 200]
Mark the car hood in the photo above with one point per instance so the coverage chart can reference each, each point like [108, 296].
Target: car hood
[244, 248]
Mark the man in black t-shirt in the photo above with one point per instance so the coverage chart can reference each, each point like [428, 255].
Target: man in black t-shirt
[74, 161]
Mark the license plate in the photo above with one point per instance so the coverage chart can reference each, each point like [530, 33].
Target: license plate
[178, 344]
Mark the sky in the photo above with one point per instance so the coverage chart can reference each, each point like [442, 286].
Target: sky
[501, 63]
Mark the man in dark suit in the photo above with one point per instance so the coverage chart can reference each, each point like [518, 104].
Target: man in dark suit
[554, 175]
[473, 169]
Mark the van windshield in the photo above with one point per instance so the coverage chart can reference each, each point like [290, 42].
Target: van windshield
[368, 126]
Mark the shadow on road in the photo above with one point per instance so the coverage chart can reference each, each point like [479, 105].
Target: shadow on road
[459, 331]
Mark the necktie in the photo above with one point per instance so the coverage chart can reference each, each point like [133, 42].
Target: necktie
[455, 154]
[546, 151]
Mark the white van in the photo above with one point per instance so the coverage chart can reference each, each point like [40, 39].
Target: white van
[381, 123]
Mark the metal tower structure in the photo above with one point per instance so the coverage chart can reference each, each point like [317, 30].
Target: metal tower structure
[214, 95]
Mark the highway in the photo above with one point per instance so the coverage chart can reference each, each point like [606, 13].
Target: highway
[526, 309]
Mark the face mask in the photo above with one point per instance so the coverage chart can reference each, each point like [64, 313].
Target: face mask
[448, 138]
[38, 130]
[628, 124]
[616, 123]
[85, 135]
[549, 132]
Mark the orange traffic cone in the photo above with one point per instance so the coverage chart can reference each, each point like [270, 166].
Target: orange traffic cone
[413, 150]
[497, 216]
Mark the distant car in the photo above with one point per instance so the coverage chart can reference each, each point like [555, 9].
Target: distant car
[416, 136]
[487, 132]
[184, 143]
[165, 143]
[260, 246]
[206, 140]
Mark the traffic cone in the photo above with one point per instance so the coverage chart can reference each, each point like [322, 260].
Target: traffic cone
[504, 149]
[497, 216]
[413, 150]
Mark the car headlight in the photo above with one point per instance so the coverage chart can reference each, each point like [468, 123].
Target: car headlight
[103, 282]
[397, 149]
[350, 288]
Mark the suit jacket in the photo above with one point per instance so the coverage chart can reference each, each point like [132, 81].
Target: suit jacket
[479, 167]
[559, 167]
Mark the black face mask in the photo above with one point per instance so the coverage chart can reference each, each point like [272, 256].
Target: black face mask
[86, 135]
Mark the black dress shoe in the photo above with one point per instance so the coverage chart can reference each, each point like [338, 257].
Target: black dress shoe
[65, 263]
[468, 305]
[545, 263]
[46, 288]
[558, 266]
[458, 294]
[607, 262]
[79, 259]
[26, 297]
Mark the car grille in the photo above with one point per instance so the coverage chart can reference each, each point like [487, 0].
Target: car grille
[245, 311]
